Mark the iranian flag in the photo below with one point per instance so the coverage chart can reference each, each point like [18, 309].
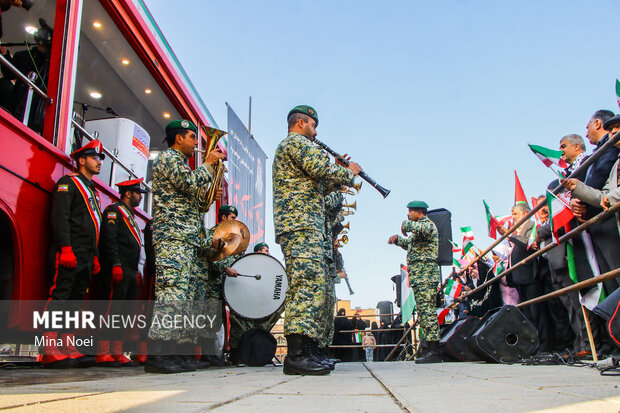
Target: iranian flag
[559, 212]
[456, 247]
[406, 293]
[492, 222]
[467, 246]
[453, 288]
[618, 91]
[468, 233]
[549, 156]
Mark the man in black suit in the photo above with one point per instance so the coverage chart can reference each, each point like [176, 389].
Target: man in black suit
[604, 235]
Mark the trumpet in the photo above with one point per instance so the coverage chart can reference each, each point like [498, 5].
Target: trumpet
[352, 205]
[206, 195]
[346, 213]
[344, 239]
[347, 225]
[349, 191]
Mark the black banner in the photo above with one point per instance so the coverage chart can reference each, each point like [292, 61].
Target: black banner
[246, 177]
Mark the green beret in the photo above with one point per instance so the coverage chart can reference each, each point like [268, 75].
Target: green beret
[259, 246]
[306, 110]
[181, 124]
[227, 209]
[417, 204]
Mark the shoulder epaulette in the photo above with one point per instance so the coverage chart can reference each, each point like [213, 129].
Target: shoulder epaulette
[72, 174]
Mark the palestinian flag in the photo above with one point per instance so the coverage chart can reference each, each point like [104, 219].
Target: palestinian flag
[520, 197]
[406, 294]
[618, 91]
[498, 268]
[468, 233]
[532, 237]
[492, 222]
[549, 156]
[559, 212]
[443, 315]
[453, 288]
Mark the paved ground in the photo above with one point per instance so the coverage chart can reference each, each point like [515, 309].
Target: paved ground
[352, 387]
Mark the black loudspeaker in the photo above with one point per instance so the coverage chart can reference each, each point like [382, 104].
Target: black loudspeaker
[454, 342]
[385, 307]
[396, 280]
[504, 335]
[443, 221]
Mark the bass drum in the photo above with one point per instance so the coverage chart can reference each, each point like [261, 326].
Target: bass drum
[260, 290]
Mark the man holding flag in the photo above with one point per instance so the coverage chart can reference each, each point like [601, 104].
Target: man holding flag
[422, 252]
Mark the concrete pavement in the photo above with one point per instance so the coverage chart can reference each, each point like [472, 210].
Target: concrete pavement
[352, 387]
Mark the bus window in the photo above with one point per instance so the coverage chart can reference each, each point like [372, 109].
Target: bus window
[26, 42]
[116, 97]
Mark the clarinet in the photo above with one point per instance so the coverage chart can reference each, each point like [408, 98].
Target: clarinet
[362, 174]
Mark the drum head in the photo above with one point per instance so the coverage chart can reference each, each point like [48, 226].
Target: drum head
[256, 298]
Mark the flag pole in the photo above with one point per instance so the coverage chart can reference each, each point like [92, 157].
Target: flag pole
[590, 337]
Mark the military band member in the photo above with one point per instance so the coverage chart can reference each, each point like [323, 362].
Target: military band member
[177, 222]
[75, 219]
[120, 247]
[261, 247]
[302, 177]
[422, 248]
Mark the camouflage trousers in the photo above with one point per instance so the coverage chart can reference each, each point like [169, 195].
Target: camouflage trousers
[175, 266]
[328, 313]
[423, 278]
[306, 271]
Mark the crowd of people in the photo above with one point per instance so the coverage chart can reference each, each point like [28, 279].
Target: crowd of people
[560, 321]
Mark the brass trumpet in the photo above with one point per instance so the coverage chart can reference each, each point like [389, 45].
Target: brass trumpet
[352, 205]
[357, 187]
[206, 195]
[344, 239]
[347, 225]
[346, 213]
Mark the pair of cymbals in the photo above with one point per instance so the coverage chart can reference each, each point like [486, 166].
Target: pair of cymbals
[233, 236]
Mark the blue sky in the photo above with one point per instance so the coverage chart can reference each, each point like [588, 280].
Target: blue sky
[436, 100]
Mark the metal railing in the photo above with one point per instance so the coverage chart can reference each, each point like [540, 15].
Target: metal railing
[115, 161]
[32, 87]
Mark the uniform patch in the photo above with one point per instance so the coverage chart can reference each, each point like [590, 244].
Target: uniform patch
[63, 188]
[112, 215]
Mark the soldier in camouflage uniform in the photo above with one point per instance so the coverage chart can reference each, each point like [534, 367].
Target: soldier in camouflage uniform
[422, 248]
[302, 177]
[177, 223]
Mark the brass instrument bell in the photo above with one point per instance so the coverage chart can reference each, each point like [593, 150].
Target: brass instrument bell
[207, 194]
[352, 205]
[347, 225]
[344, 239]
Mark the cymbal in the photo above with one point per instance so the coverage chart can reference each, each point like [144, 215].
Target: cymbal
[236, 237]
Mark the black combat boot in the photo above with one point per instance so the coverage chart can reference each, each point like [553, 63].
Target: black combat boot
[431, 354]
[157, 363]
[199, 363]
[324, 351]
[299, 360]
[319, 357]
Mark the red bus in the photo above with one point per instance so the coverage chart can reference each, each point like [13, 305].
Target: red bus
[72, 71]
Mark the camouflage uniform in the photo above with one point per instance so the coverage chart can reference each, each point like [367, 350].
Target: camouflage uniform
[302, 176]
[333, 205]
[177, 223]
[422, 251]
